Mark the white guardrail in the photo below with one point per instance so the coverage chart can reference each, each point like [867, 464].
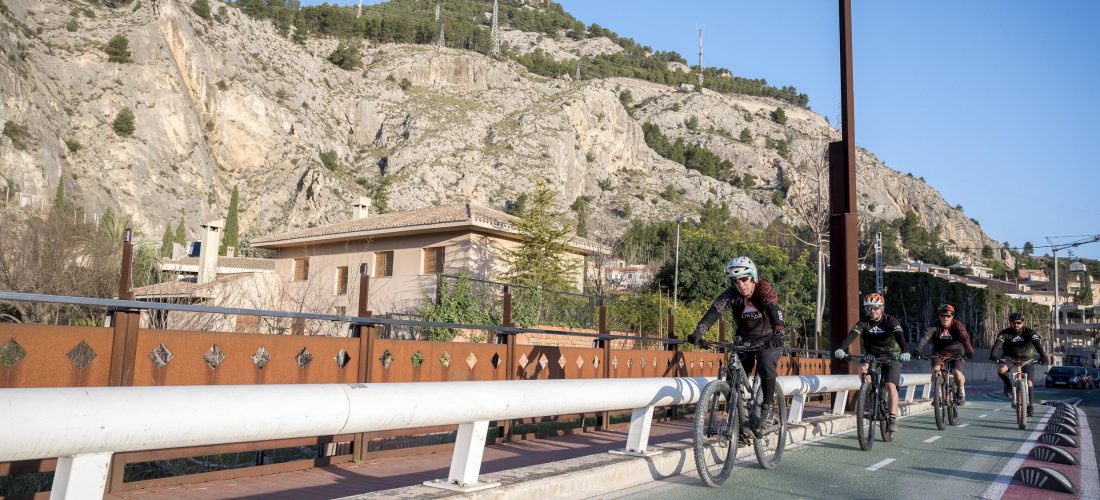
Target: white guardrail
[83, 427]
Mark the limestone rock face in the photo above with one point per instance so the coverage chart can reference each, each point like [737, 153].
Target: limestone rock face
[230, 102]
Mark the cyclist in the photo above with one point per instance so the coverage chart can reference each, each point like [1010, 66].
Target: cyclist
[949, 336]
[758, 318]
[882, 336]
[1019, 343]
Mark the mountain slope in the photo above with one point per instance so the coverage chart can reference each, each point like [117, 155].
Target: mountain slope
[231, 101]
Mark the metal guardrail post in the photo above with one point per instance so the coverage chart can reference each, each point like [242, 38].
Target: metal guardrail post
[604, 418]
[367, 336]
[509, 352]
[124, 326]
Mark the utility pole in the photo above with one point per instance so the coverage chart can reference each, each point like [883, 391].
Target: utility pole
[843, 221]
[1057, 285]
[496, 30]
[878, 259]
[676, 269]
[700, 79]
[359, 12]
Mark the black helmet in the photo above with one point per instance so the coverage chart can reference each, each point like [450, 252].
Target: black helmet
[1016, 316]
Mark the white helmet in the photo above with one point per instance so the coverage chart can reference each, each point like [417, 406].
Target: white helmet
[741, 266]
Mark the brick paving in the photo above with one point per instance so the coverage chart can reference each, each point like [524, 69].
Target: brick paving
[377, 474]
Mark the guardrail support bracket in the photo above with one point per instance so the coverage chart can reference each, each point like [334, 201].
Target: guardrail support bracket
[637, 442]
[466, 461]
[81, 476]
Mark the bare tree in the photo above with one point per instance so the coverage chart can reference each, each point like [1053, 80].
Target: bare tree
[809, 211]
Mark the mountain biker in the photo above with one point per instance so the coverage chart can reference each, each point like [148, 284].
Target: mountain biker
[1020, 343]
[758, 319]
[949, 337]
[882, 336]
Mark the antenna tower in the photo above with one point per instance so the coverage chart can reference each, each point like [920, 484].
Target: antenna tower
[442, 43]
[359, 12]
[496, 31]
[700, 58]
[437, 12]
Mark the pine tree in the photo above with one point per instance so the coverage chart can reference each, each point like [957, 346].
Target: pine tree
[124, 123]
[381, 199]
[232, 225]
[540, 261]
[201, 8]
[580, 206]
[300, 30]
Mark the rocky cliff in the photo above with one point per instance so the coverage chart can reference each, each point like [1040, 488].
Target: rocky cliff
[228, 101]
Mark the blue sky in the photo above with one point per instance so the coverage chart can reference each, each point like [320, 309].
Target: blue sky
[993, 102]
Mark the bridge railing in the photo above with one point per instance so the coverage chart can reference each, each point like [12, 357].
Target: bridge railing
[84, 427]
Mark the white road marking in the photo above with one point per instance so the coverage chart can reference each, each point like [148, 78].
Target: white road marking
[1090, 480]
[997, 488]
[963, 425]
[931, 439]
[998, 409]
[983, 416]
[881, 464]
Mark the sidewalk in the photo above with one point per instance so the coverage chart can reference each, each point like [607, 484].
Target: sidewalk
[388, 473]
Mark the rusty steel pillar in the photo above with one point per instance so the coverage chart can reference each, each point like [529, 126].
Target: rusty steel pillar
[367, 336]
[843, 223]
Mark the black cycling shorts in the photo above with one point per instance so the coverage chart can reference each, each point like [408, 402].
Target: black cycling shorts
[891, 371]
[1027, 369]
[768, 359]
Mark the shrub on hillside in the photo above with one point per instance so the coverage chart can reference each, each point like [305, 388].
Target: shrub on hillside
[201, 8]
[118, 49]
[18, 134]
[124, 123]
[346, 56]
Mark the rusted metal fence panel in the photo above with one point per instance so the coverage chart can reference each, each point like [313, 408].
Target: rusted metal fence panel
[170, 357]
[422, 361]
[54, 356]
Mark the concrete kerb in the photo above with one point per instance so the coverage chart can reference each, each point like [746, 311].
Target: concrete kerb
[603, 473]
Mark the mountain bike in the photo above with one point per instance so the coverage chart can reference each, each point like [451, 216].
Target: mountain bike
[1020, 399]
[872, 404]
[729, 411]
[944, 406]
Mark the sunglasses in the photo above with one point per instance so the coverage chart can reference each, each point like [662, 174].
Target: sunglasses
[947, 315]
[871, 308]
[743, 279]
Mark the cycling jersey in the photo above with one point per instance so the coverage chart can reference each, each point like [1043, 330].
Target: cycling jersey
[884, 338]
[1019, 344]
[757, 318]
[953, 340]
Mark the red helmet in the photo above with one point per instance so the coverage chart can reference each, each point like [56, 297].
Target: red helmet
[945, 308]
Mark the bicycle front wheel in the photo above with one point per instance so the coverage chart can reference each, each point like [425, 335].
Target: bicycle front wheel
[715, 433]
[939, 404]
[769, 444]
[1021, 403]
[865, 422]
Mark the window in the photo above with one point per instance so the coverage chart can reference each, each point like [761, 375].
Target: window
[342, 280]
[433, 260]
[340, 310]
[301, 269]
[383, 264]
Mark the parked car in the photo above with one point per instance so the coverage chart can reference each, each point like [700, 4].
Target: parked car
[1063, 376]
[1084, 380]
[1095, 374]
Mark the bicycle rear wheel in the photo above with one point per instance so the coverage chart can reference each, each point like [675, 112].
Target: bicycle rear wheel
[952, 408]
[865, 423]
[1021, 403]
[769, 445]
[715, 433]
[939, 405]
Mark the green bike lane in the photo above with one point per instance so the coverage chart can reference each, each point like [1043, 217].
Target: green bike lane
[922, 462]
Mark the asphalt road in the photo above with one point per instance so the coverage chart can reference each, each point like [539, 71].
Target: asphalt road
[975, 459]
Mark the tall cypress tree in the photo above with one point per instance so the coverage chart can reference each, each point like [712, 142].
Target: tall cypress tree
[166, 241]
[59, 201]
[232, 225]
[181, 231]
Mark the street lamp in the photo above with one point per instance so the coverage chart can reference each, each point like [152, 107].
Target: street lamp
[1057, 299]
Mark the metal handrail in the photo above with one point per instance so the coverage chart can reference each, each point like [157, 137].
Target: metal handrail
[353, 321]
